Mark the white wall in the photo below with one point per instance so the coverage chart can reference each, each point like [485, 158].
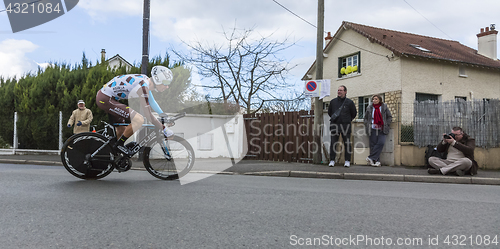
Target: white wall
[205, 134]
[116, 63]
[442, 78]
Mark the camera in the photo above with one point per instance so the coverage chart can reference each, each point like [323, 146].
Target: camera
[449, 136]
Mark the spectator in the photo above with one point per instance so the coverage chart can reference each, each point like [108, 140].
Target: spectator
[80, 118]
[377, 122]
[460, 154]
[341, 111]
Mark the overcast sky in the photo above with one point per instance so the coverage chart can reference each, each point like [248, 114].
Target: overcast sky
[116, 25]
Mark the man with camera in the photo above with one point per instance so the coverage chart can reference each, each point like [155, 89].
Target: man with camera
[460, 154]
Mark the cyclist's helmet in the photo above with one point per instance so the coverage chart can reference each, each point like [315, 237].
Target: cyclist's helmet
[161, 75]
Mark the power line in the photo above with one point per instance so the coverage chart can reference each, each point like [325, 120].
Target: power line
[327, 32]
[426, 19]
[294, 14]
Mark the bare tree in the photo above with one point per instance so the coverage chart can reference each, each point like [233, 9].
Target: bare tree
[245, 71]
[293, 102]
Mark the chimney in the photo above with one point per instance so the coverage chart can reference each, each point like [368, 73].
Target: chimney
[329, 36]
[103, 55]
[487, 42]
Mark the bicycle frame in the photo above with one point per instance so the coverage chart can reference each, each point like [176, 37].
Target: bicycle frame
[146, 141]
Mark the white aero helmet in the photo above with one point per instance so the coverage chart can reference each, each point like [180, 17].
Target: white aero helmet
[161, 75]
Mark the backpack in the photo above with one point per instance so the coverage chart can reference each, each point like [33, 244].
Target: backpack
[431, 151]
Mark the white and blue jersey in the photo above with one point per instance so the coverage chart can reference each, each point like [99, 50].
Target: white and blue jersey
[126, 86]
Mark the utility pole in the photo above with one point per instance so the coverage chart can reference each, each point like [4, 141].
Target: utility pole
[318, 103]
[145, 53]
[145, 38]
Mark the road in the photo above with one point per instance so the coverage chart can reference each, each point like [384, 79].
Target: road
[46, 207]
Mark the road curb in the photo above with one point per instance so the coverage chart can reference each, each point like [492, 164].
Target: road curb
[485, 181]
[285, 173]
[322, 175]
[328, 175]
[374, 177]
[380, 177]
[303, 174]
[44, 162]
[16, 161]
[438, 179]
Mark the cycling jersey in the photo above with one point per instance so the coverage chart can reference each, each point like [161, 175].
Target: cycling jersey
[125, 86]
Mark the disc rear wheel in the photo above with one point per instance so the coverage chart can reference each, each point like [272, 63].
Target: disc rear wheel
[76, 153]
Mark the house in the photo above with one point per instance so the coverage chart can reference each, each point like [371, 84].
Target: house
[115, 61]
[405, 68]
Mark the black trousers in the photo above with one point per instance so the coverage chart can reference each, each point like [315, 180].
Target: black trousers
[337, 130]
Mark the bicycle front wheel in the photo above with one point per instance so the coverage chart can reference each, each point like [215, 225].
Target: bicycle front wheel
[76, 151]
[169, 159]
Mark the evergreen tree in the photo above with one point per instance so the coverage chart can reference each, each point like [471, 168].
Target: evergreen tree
[38, 98]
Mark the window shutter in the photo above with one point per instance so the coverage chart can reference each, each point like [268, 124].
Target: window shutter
[361, 113]
[359, 62]
[340, 66]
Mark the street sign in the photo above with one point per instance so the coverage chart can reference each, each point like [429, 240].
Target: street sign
[317, 88]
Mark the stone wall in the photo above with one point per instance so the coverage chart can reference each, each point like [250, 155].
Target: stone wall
[392, 99]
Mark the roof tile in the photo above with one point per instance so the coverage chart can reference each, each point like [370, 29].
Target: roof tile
[399, 43]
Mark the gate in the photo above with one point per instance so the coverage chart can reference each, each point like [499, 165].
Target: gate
[284, 136]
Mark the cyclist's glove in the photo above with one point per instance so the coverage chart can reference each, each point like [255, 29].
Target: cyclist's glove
[79, 123]
[167, 132]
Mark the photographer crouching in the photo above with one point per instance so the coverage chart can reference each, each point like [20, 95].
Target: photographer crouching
[460, 154]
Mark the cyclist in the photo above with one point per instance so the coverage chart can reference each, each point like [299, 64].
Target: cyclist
[133, 86]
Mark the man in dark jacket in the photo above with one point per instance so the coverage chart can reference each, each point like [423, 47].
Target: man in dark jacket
[341, 124]
[460, 154]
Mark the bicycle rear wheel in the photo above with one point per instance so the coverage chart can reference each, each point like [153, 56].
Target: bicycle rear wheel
[169, 159]
[77, 150]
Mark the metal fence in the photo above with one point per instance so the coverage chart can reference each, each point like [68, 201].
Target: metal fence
[27, 132]
[423, 123]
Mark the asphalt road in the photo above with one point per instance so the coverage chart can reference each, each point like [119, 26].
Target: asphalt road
[46, 207]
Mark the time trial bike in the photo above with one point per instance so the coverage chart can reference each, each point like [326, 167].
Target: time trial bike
[90, 155]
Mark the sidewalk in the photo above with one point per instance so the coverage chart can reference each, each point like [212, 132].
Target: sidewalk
[284, 169]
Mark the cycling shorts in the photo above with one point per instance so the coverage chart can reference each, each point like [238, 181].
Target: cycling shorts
[117, 112]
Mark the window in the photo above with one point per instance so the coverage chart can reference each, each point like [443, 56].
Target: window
[363, 103]
[461, 72]
[325, 105]
[420, 97]
[420, 48]
[460, 106]
[353, 62]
